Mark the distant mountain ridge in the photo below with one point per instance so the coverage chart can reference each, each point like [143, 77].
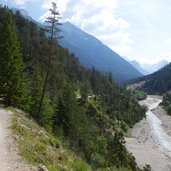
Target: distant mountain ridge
[146, 69]
[139, 67]
[26, 15]
[150, 68]
[92, 52]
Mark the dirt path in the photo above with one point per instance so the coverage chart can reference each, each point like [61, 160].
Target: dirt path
[143, 144]
[9, 158]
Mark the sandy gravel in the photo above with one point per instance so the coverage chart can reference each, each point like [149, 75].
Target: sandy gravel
[166, 119]
[142, 144]
[9, 158]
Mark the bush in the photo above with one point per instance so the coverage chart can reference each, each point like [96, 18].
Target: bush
[79, 165]
[169, 109]
[139, 95]
[97, 160]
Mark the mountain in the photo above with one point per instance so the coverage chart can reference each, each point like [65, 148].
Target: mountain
[138, 67]
[26, 15]
[23, 12]
[146, 69]
[74, 95]
[154, 67]
[92, 52]
[157, 83]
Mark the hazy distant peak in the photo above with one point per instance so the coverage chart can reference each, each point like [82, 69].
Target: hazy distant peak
[154, 67]
[23, 12]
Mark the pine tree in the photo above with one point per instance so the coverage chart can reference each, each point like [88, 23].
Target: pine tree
[35, 91]
[52, 23]
[65, 109]
[12, 86]
[118, 154]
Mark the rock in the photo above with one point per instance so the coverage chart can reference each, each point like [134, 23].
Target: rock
[41, 132]
[60, 158]
[42, 168]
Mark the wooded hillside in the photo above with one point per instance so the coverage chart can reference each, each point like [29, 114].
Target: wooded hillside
[88, 110]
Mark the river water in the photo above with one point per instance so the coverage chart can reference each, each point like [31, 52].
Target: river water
[158, 133]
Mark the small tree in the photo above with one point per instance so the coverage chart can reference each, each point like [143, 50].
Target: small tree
[51, 27]
[12, 85]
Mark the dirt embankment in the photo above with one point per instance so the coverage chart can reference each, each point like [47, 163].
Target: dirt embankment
[9, 158]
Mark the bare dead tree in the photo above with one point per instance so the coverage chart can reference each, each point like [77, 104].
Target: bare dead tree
[52, 28]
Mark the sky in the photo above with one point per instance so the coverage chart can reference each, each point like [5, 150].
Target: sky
[136, 29]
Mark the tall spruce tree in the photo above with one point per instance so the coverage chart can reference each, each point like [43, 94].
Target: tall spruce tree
[12, 86]
[52, 24]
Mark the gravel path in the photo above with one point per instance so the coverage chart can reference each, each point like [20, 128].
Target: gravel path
[147, 143]
[9, 158]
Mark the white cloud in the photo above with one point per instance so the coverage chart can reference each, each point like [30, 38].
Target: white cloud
[20, 2]
[123, 50]
[47, 4]
[117, 24]
[161, 56]
[164, 56]
[145, 60]
[168, 41]
[97, 17]
[62, 4]
[44, 16]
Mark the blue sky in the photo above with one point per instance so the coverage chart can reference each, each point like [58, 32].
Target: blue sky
[135, 29]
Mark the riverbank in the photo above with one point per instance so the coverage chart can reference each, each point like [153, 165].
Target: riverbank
[143, 144]
[164, 117]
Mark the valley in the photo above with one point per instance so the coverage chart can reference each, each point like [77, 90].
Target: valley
[150, 141]
[73, 98]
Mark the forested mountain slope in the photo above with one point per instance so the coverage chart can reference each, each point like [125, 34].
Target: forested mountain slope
[86, 109]
[158, 82]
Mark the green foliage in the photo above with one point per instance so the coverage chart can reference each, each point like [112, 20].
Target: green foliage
[91, 124]
[66, 109]
[98, 160]
[47, 114]
[79, 165]
[139, 95]
[169, 109]
[36, 85]
[13, 82]
[118, 150]
[41, 147]
[167, 102]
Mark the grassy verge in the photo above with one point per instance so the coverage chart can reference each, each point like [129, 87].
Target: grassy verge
[39, 147]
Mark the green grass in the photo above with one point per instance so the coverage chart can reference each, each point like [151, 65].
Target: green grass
[79, 165]
[39, 147]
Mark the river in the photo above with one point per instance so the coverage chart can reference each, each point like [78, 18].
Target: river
[150, 142]
[158, 133]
